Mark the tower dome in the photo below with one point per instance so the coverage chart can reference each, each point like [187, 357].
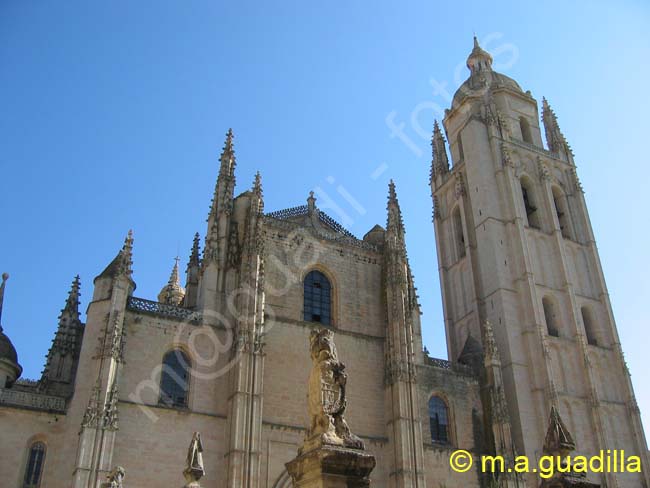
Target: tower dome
[172, 293]
[10, 370]
[482, 77]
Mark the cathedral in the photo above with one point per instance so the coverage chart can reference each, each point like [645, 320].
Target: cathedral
[535, 363]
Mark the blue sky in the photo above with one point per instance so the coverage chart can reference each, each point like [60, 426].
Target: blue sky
[114, 113]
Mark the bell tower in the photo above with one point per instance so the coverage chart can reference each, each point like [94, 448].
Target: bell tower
[516, 250]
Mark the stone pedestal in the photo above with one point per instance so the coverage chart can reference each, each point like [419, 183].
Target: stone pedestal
[331, 467]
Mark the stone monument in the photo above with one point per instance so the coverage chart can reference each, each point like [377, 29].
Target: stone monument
[331, 455]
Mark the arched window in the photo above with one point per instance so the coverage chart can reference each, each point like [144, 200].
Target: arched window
[438, 420]
[318, 298]
[175, 379]
[562, 212]
[459, 235]
[34, 467]
[461, 154]
[550, 317]
[525, 130]
[528, 197]
[590, 326]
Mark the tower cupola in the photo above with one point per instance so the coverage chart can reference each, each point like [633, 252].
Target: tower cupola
[10, 370]
[479, 59]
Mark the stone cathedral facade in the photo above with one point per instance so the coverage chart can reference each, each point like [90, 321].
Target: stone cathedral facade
[534, 356]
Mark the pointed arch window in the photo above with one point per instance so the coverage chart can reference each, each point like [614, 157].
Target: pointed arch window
[317, 298]
[550, 316]
[438, 420]
[589, 325]
[459, 234]
[174, 379]
[525, 130]
[528, 197]
[34, 467]
[562, 212]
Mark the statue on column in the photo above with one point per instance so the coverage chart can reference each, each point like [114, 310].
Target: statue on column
[115, 478]
[326, 395]
[194, 470]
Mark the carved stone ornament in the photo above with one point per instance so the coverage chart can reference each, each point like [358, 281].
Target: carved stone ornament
[326, 395]
[115, 478]
[194, 469]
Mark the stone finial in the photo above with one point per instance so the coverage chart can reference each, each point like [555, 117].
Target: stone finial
[327, 399]
[194, 469]
[172, 293]
[5, 277]
[558, 440]
[115, 478]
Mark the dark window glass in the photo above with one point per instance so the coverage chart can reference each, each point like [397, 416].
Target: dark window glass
[34, 467]
[318, 298]
[438, 420]
[174, 380]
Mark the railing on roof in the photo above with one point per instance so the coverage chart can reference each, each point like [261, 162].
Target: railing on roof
[31, 399]
[288, 213]
[444, 364]
[162, 309]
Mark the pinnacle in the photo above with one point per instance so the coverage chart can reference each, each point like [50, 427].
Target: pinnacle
[194, 254]
[72, 302]
[257, 184]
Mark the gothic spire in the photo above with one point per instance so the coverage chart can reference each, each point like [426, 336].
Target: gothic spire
[554, 137]
[439, 160]
[121, 264]
[59, 373]
[394, 224]
[172, 293]
[225, 186]
[195, 253]
[227, 158]
[257, 190]
[72, 302]
[193, 271]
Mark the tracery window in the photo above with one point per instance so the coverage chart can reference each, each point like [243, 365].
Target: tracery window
[174, 379]
[34, 467]
[318, 298]
[438, 420]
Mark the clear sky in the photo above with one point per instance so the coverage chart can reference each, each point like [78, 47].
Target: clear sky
[113, 115]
